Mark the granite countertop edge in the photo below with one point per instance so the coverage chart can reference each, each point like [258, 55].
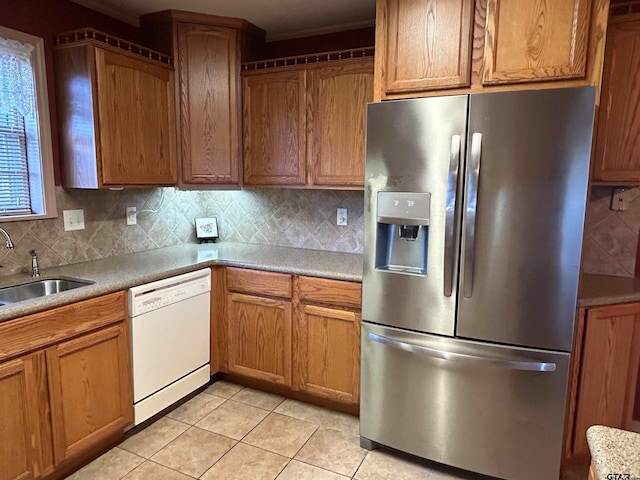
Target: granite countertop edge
[598, 290]
[614, 451]
[122, 272]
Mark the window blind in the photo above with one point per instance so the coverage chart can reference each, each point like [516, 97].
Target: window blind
[14, 171]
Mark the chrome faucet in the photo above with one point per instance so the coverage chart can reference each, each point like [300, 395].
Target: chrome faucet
[9, 243]
[35, 270]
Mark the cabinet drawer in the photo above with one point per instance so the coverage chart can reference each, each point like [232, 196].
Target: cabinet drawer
[259, 282]
[46, 328]
[330, 292]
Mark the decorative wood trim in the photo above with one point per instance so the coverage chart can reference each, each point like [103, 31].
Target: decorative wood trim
[312, 58]
[98, 38]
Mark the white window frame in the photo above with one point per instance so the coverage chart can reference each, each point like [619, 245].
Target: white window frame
[40, 169]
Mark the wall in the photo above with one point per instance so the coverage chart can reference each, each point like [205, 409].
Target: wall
[296, 218]
[611, 238]
[46, 19]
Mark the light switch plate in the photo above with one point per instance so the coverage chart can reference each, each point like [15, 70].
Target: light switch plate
[73, 219]
[132, 216]
[341, 217]
[620, 198]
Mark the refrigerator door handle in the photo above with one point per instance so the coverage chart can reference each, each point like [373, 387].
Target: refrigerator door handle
[470, 220]
[464, 357]
[450, 216]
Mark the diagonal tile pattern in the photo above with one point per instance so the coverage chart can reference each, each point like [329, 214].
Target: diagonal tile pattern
[292, 218]
[610, 238]
[290, 440]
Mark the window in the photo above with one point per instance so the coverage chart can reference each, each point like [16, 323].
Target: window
[26, 159]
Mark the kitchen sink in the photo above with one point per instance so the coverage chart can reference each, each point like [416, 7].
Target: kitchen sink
[39, 288]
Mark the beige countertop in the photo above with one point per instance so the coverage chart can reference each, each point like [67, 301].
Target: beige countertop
[124, 271]
[605, 290]
[614, 451]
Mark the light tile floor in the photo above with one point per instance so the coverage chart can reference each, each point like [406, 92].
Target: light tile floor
[233, 433]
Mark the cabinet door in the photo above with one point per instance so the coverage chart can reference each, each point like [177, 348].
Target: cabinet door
[528, 41]
[617, 155]
[338, 96]
[328, 353]
[91, 390]
[136, 112]
[259, 335]
[608, 371]
[19, 428]
[209, 72]
[274, 128]
[423, 44]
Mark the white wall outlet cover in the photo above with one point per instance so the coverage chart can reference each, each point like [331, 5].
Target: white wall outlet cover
[341, 217]
[132, 216]
[620, 198]
[73, 219]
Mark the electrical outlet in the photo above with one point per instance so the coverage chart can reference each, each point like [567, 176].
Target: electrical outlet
[341, 217]
[73, 219]
[620, 199]
[132, 216]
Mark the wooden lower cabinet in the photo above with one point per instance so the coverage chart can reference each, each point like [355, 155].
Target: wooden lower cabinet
[259, 332]
[65, 385]
[91, 396]
[300, 334]
[604, 374]
[19, 426]
[328, 352]
[327, 338]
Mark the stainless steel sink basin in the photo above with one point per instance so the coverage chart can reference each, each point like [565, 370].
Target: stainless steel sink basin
[39, 288]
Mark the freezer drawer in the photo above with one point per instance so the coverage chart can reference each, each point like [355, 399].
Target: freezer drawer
[485, 408]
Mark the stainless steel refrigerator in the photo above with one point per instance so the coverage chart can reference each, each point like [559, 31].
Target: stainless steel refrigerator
[474, 212]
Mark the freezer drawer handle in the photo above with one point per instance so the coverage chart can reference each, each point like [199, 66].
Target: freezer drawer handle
[446, 355]
[452, 188]
[470, 220]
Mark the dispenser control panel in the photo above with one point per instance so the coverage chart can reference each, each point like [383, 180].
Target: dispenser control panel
[407, 208]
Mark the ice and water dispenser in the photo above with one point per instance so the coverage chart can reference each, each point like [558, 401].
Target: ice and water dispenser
[402, 234]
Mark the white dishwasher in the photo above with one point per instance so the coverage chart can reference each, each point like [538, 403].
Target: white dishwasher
[170, 325]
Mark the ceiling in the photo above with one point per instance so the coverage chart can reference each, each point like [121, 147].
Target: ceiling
[279, 18]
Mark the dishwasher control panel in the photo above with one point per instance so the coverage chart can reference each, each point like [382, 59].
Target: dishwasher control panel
[151, 296]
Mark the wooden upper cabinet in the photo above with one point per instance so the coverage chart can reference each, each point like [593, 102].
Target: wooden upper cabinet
[423, 44]
[305, 125]
[535, 40]
[208, 66]
[617, 154]
[274, 115]
[136, 121]
[116, 115]
[448, 47]
[338, 96]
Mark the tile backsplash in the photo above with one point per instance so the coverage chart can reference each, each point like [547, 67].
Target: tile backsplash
[610, 238]
[294, 218]
[286, 217]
